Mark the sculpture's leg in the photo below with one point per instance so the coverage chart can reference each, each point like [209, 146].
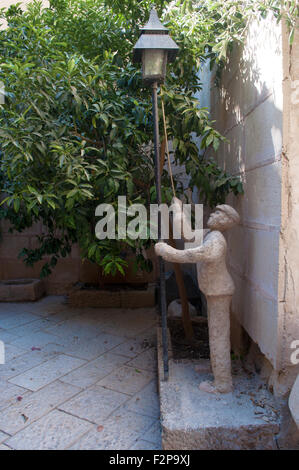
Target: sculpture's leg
[219, 339]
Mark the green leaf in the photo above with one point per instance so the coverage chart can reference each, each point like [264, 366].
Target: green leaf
[16, 204]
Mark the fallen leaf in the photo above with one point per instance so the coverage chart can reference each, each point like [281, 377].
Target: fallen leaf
[19, 398]
[100, 428]
[25, 418]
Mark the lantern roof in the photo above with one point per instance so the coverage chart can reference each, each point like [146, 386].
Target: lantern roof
[155, 36]
[154, 24]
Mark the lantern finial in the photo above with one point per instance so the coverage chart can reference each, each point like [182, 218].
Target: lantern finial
[154, 25]
[154, 49]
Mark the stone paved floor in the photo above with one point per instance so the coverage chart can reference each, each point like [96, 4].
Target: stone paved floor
[78, 378]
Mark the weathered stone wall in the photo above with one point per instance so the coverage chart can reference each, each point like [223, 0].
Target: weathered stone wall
[68, 270]
[289, 234]
[66, 273]
[8, 3]
[248, 109]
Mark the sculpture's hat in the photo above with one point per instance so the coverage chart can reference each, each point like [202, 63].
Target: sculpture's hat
[230, 212]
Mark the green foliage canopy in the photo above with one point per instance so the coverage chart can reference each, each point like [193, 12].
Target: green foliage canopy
[76, 125]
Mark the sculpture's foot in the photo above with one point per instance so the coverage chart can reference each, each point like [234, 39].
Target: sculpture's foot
[210, 387]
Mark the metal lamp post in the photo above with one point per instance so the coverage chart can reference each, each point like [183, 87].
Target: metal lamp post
[154, 49]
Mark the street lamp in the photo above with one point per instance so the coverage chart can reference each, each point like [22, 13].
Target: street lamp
[154, 49]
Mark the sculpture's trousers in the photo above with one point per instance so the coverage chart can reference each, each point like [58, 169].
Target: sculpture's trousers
[219, 339]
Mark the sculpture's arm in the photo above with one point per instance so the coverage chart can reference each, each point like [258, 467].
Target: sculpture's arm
[209, 251]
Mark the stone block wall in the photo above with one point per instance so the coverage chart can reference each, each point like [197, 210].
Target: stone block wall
[8, 3]
[67, 272]
[253, 107]
[248, 110]
[289, 234]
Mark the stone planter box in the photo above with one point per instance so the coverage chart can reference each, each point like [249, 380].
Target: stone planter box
[21, 290]
[116, 298]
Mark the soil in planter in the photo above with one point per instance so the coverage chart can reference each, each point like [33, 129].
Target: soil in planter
[114, 287]
[181, 348]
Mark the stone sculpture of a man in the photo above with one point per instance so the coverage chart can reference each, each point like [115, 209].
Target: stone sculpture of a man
[215, 282]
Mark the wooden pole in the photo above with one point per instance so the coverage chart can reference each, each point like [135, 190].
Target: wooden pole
[187, 324]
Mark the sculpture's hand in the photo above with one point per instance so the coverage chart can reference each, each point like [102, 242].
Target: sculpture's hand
[177, 205]
[161, 249]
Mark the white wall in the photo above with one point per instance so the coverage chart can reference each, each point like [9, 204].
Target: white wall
[248, 111]
[8, 3]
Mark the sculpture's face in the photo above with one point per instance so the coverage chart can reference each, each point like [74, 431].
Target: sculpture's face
[218, 220]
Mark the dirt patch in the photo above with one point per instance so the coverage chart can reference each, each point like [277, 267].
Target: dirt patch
[112, 287]
[181, 348]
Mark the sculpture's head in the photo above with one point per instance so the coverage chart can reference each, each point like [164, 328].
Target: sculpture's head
[223, 217]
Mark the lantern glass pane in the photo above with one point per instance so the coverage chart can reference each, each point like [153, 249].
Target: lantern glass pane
[153, 63]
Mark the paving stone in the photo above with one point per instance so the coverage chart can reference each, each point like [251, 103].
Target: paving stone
[9, 393]
[32, 327]
[49, 302]
[61, 315]
[13, 321]
[85, 349]
[6, 336]
[25, 362]
[4, 447]
[132, 347]
[8, 309]
[56, 431]
[35, 405]
[47, 372]
[146, 360]
[34, 340]
[75, 328]
[11, 352]
[49, 305]
[120, 432]
[67, 399]
[130, 323]
[3, 436]
[6, 313]
[95, 404]
[146, 401]
[94, 371]
[145, 445]
[127, 379]
[154, 434]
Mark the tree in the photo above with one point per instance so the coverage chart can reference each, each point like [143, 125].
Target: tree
[76, 125]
